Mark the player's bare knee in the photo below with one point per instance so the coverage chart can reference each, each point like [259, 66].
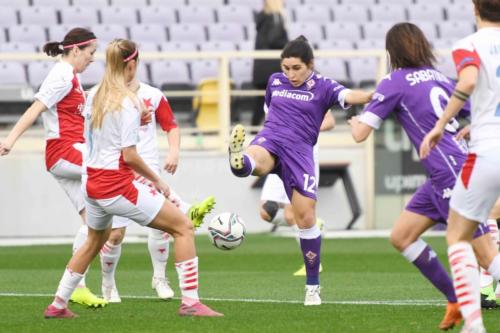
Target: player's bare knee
[305, 220]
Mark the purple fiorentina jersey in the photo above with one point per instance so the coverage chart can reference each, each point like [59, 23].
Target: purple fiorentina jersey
[295, 114]
[417, 97]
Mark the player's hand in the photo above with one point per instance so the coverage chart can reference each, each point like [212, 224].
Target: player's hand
[146, 117]
[171, 162]
[430, 141]
[162, 187]
[4, 149]
[353, 121]
[464, 133]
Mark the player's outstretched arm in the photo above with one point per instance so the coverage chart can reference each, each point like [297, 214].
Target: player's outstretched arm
[25, 122]
[359, 130]
[467, 79]
[328, 122]
[357, 97]
[132, 158]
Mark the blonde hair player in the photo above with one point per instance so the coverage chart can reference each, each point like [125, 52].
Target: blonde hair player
[112, 128]
[60, 101]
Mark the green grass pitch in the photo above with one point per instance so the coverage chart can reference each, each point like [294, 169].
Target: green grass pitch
[366, 287]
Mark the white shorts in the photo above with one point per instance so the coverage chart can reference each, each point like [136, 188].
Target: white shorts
[478, 186]
[69, 176]
[100, 212]
[274, 190]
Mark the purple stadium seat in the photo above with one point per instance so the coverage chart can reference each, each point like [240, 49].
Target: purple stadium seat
[158, 15]
[446, 66]
[371, 44]
[201, 14]
[396, 2]
[119, 15]
[376, 29]
[366, 3]
[455, 29]
[426, 12]
[156, 33]
[148, 47]
[218, 46]
[333, 68]
[363, 70]
[312, 13]
[92, 75]
[17, 47]
[251, 32]
[129, 3]
[208, 3]
[12, 73]
[254, 4]
[8, 17]
[235, 14]
[233, 32]
[182, 46]
[311, 30]
[429, 29]
[389, 12]
[82, 16]
[45, 16]
[443, 43]
[192, 32]
[335, 44]
[107, 32]
[51, 3]
[91, 3]
[168, 3]
[343, 30]
[27, 33]
[57, 32]
[241, 70]
[165, 72]
[246, 45]
[37, 71]
[350, 13]
[460, 11]
[19, 3]
[202, 69]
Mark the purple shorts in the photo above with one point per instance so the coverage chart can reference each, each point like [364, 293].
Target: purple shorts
[432, 202]
[294, 165]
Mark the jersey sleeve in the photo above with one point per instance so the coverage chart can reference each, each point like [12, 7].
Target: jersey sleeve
[130, 123]
[335, 94]
[464, 54]
[164, 115]
[54, 88]
[384, 101]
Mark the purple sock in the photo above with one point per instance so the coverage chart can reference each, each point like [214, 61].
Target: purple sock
[428, 264]
[311, 251]
[246, 170]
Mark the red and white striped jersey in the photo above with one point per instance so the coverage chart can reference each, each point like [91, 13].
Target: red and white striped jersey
[62, 94]
[482, 49]
[107, 175]
[156, 102]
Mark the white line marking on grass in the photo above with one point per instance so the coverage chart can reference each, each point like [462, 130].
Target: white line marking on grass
[420, 302]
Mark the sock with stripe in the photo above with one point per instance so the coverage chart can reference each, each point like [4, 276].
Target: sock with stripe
[159, 248]
[465, 273]
[425, 259]
[310, 243]
[110, 256]
[187, 272]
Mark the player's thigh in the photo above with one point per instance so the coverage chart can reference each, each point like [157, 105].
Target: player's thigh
[408, 228]
[264, 160]
[495, 211]
[460, 228]
[170, 219]
[484, 249]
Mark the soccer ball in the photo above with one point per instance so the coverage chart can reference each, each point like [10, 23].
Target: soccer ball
[226, 231]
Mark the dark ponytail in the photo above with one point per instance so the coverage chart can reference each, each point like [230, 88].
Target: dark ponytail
[298, 48]
[76, 36]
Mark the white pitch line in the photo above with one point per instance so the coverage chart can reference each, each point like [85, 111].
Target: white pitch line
[253, 300]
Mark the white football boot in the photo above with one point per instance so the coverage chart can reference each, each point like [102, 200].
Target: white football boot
[312, 295]
[162, 288]
[111, 294]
